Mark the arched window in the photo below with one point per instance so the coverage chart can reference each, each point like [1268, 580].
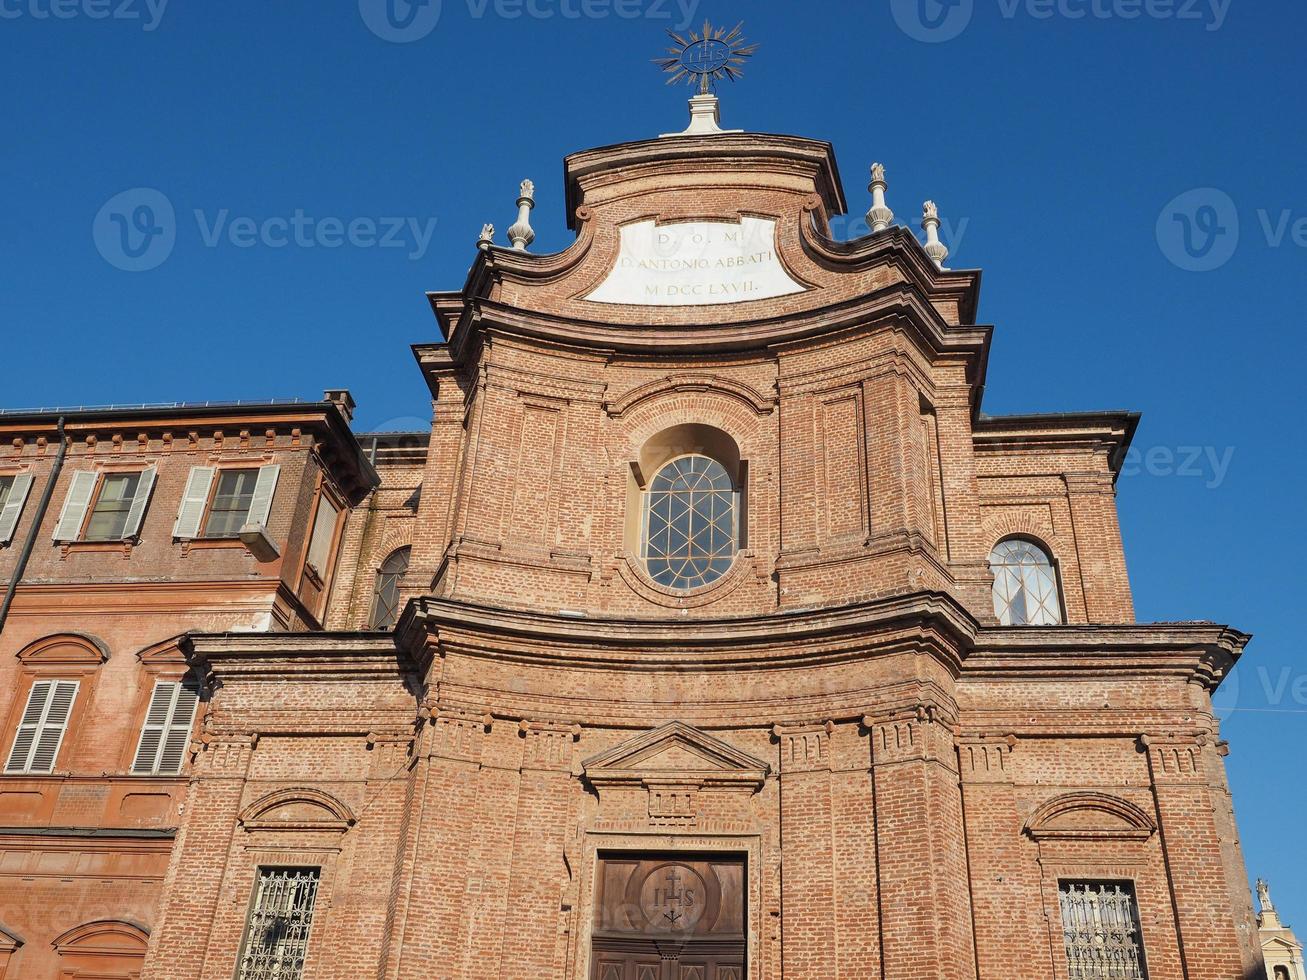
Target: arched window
[1025, 584]
[385, 602]
[691, 526]
[1281, 973]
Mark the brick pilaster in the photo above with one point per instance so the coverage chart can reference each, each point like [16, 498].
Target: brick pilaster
[532, 946]
[1010, 943]
[193, 889]
[925, 904]
[808, 915]
[1192, 846]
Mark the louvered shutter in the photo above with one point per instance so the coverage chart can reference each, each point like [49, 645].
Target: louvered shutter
[41, 731]
[139, 502]
[13, 507]
[191, 512]
[167, 730]
[73, 512]
[264, 487]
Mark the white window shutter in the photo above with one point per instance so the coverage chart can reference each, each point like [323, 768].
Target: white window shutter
[73, 512]
[139, 502]
[166, 731]
[264, 487]
[41, 731]
[13, 508]
[37, 700]
[191, 512]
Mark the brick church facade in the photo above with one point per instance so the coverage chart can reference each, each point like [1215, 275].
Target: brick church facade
[712, 631]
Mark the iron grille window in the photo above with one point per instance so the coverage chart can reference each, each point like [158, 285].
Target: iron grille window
[277, 934]
[1100, 923]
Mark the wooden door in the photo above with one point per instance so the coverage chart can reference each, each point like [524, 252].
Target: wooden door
[669, 917]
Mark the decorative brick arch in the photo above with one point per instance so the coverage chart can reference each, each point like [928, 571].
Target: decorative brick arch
[687, 382]
[300, 808]
[708, 408]
[397, 534]
[1089, 816]
[1019, 524]
[104, 949]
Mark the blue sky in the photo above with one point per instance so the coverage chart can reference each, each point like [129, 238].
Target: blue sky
[1061, 138]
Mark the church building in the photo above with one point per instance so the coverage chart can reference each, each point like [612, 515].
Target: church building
[713, 631]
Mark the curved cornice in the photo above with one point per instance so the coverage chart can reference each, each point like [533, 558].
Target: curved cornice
[754, 151]
[928, 622]
[65, 648]
[899, 301]
[1123, 818]
[326, 811]
[691, 381]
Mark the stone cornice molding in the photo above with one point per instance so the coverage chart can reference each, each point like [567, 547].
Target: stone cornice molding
[304, 657]
[607, 166]
[901, 247]
[1109, 433]
[692, 382]
[899, 302]
[927, 623]
[1200, 653]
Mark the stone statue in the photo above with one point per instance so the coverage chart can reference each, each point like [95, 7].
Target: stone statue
[1264, 895]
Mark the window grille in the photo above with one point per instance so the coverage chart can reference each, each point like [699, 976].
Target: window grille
[1100, 923]
[691, 527]
[167, 730]
[277, 934]
[1025, 585]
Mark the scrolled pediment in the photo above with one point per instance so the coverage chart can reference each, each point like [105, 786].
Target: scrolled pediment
[676, 754]
[297, 808]
[1089, 816]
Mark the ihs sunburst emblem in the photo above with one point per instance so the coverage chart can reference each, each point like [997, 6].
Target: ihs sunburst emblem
[705, 58]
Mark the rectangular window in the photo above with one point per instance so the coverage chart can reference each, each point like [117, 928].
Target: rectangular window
[324, 533]
[6, 485]
[230, 506]
[167, 730]
[41, 729]
[277, 932]
[1100, 923]
[112, 505]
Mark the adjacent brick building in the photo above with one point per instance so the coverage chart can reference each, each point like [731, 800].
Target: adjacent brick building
[712, 631]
